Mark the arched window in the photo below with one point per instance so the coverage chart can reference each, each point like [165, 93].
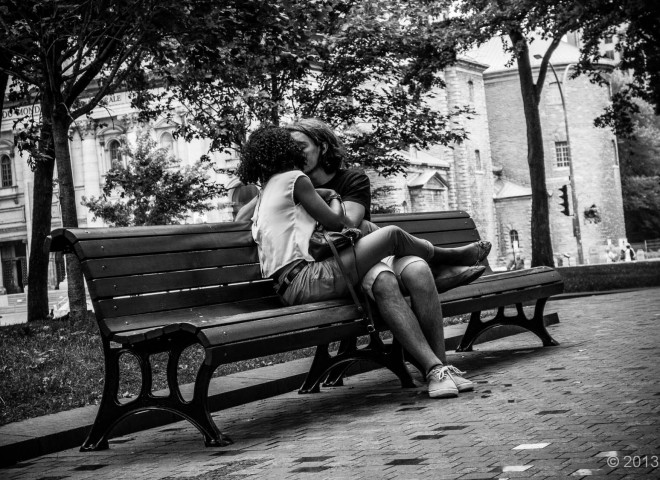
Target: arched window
[477, 160]
[114, 149]
[167, 141]
[513, 236]
[471, 90]
[5, 169]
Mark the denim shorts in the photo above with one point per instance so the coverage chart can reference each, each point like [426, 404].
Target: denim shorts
[316, 282]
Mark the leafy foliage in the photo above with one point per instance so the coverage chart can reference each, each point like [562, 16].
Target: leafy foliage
[639, 159]
[369, 69]
[636, 24]
[153, 188]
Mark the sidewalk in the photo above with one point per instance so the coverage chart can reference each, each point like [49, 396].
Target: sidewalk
[13, 308]
[587, 408]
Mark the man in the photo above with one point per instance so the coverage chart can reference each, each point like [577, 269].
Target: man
[418, 327]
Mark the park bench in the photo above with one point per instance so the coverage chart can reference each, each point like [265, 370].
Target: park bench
[161, 289]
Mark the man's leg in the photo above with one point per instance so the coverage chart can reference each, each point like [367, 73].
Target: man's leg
[418, 280]
[401, 320]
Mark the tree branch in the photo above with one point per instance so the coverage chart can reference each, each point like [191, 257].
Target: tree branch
[543, 69]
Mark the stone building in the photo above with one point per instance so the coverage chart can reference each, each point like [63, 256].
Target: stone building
[592, 150]
[487, 175]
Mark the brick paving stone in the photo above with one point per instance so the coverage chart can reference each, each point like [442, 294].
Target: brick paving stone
[596, 392]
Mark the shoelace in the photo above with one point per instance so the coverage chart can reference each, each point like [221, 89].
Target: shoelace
[444, 371]
[454, 370]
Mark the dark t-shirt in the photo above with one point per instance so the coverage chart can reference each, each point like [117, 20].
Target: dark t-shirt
[353, 185]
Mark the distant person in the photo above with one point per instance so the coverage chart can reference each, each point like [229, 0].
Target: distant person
[628, 254]
[610, 256]
[517, 262]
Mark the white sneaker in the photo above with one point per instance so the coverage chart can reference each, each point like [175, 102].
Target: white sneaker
[441, 384]
[462, 384]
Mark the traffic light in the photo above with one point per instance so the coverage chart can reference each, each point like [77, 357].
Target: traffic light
[564, 201]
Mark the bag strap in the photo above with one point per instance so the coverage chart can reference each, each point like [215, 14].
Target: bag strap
[366, 314]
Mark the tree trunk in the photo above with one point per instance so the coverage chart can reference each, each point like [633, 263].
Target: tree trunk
[61, 122]
[541, 239]
[42, 199]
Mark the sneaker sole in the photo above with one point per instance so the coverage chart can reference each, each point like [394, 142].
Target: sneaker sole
[443, 393]
[468, 388]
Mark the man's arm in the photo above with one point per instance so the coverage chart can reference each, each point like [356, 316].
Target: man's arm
[354, 213]
[246, 211]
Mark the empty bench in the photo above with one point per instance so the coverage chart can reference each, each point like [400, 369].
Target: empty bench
[161, 289]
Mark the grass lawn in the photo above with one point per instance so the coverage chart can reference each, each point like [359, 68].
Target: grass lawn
[51, 366]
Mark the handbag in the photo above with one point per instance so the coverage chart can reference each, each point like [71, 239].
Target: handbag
[319, 246]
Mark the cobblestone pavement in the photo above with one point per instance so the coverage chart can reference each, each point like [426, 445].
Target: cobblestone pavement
[587, 408]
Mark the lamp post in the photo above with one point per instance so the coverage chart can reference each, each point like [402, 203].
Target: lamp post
[576, 218]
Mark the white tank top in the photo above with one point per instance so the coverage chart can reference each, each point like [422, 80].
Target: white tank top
[281, 228]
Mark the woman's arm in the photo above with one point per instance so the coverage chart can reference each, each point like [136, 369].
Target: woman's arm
[246, 211]
[330, 216]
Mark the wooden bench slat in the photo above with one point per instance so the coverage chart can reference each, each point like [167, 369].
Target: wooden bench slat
[117, 247]
[285, 343]
[162, 282]
[76, 234]
[167, 262]
[119, 307]
[252, 329]
[209, 316]
[488, 302]
[385, 218]
[416, 227]
[499, 282]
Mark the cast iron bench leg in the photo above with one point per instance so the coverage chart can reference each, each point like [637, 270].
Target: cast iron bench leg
[111, 411]
[535, 325]
[391, 357]
[335, 377]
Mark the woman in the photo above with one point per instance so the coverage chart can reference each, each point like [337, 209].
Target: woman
[285, 216]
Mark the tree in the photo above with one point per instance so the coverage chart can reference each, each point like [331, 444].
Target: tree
[522, 21]
[369, 69]
[69, 56]
[153, 188]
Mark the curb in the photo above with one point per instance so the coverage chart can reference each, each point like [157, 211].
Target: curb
[53, 433]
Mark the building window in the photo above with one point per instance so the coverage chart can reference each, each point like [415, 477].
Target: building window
[477, 161]
[167, 141]
[471, 90]
[515, 242]
[5, 166]
[609, 54]
[615, 152]
[563, 154]
[609, 39]
[114, 148]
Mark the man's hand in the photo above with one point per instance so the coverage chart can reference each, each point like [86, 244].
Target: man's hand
[326, 193]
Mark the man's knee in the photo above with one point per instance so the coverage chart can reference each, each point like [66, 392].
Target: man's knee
[386, 287]
[417, 276]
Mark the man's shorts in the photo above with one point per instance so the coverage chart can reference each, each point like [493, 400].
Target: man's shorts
[393, 264]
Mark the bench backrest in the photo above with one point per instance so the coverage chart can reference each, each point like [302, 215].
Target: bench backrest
[135, 271]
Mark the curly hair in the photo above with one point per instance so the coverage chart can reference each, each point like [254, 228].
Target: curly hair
[269, 150]
[321, 133]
